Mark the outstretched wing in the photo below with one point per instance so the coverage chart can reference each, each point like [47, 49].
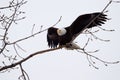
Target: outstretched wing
[52, 37]
[87, 21]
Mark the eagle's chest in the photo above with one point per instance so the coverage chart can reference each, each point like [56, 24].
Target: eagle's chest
[65, 38]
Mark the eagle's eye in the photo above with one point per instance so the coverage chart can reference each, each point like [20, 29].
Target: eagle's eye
[61, 32]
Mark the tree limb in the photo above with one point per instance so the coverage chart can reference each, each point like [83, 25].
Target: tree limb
[25, 59]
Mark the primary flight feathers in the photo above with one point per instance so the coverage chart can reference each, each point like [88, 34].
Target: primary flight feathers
[59, 37]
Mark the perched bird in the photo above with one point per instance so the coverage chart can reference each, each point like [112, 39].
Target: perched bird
[65, 36]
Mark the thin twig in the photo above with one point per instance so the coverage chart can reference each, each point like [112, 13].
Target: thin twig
[105, 29]
[11, 4]
[57, 22]
[94, 36]
[33, 29]
[20, 47]
[17, 51]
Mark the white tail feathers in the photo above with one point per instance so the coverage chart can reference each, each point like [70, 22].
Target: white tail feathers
[71, 46]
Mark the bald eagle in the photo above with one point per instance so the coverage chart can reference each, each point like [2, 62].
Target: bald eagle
[60, 37]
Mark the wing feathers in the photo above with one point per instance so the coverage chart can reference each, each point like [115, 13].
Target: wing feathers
[52, 37]
[79, 25]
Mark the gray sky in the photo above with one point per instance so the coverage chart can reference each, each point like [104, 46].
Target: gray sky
[63, 64]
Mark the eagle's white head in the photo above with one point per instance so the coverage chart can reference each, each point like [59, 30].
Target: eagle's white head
[61, 32]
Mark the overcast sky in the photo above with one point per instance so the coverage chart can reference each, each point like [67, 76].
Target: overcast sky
[66, 64]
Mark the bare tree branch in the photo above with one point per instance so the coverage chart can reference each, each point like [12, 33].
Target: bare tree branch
[11, 4]
[25, 59]
[24, 74]
[91, 62]
[34, 33]
[6, 24]
[7, 21]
